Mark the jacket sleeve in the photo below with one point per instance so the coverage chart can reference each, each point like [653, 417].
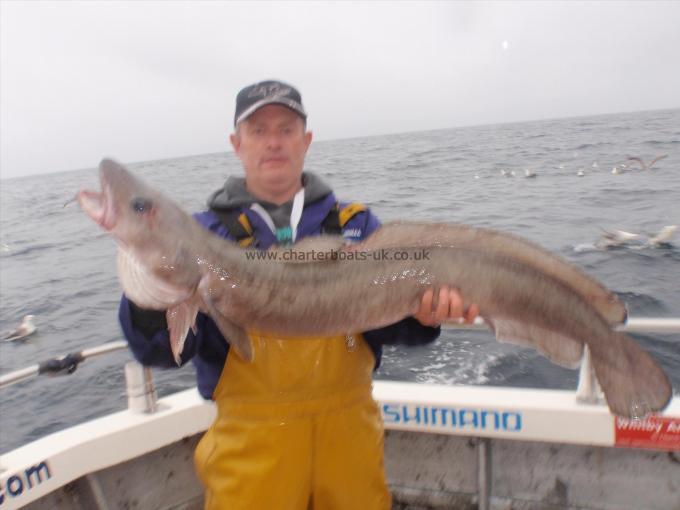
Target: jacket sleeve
[408, 331]
[147, 334]
[147, 330]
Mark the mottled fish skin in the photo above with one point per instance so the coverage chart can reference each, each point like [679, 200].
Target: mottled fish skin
[400, 234]
[364, 288]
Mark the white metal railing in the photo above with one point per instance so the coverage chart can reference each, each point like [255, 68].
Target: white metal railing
[632, 325]
[68, 363]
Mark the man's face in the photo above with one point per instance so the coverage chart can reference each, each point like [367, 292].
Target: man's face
[272, 144]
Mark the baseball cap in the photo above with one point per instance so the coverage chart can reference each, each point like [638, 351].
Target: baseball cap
[253, 97]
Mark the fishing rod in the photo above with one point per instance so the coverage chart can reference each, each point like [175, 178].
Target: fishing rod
[67, 364]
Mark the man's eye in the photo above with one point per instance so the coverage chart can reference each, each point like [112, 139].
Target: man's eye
[141, 205]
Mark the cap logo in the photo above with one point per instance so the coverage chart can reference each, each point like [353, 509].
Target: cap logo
[268, 91]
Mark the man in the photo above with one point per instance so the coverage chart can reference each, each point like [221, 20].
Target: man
[297, 427]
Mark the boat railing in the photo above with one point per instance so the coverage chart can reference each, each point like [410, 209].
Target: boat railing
[141, 379]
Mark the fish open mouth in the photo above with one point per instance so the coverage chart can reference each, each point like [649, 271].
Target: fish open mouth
[98, 205]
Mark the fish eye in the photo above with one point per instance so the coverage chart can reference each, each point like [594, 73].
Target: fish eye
[141, 205]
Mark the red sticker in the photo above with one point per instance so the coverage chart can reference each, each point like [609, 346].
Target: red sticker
[657, 432]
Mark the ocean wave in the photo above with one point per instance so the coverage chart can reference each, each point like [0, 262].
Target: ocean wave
[597, 145]
[661, 142]
[28, 250]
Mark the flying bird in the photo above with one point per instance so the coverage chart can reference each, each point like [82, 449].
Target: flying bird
[651, 163]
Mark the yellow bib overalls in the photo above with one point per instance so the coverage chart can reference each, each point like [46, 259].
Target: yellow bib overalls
[296, 429]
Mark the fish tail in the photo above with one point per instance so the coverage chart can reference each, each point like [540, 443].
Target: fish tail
[633, 382]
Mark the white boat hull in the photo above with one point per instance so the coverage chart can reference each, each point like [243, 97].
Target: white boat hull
[530, 448]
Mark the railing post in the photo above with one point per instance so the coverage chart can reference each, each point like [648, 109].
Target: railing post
[588, 390]
[141, 392]
[484, 475]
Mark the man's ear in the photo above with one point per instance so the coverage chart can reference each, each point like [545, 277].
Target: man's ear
[235, 140]
[308, 139]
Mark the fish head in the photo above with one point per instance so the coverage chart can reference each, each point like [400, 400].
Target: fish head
[143, 221]
[153, 235]
[126, 207]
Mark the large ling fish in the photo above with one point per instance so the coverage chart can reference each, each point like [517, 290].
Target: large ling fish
[167, 261]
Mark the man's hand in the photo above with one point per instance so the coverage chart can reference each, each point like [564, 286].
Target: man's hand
[448, 306]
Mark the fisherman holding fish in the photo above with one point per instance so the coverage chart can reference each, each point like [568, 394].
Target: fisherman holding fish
[279, 344]
[297, 426]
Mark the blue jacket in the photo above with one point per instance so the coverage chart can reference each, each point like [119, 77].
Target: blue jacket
[148, 337]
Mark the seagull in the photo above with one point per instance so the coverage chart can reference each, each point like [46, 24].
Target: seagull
[619, 168]
[615, 238]
[663, 236]
[529, 174]
[580, 173]
[643, 164]
[25, 329]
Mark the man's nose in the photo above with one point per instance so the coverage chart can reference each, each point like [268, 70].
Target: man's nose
[274, 141]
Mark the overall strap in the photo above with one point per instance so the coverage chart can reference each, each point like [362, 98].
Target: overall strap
[238, 225]
[336, 219]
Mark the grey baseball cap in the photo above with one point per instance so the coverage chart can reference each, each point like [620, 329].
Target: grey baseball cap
[253, 97]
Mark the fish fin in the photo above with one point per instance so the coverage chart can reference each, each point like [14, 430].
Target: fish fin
[234, 334]
[180, 319]
[633, 382]
[558, 348]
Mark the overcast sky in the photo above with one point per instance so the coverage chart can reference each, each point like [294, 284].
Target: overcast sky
[150, 80]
